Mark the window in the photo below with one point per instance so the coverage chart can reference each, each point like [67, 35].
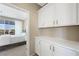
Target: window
[7, 27]
[11, 27]
[1, 21]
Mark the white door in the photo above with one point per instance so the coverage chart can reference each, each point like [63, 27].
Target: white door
[46, 48]
[66, 14]
[63, 51]
[37, 46]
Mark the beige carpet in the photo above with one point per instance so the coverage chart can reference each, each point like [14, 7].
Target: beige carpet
[17, 51]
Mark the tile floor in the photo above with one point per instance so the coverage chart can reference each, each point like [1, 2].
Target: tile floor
[17, 51]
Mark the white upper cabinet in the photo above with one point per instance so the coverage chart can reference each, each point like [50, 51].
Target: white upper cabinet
[46, 16]
[2, 10]
[66, 14]
[57, 14]
[12, 12]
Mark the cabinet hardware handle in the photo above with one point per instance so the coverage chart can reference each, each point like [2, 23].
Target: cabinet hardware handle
[50, 47]
[39, 42]
[53, 48]
[56, 21]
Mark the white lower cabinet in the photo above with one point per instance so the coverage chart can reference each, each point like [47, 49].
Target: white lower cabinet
[4, 40]
[37, 46]
[45, 47]
[63, 51]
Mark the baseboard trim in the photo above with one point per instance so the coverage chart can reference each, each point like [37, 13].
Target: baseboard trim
[35, 54]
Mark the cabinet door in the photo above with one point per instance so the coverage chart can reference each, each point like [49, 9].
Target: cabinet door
[11, 12]
[42, 17]
[6, 11]
[37, 46]
[77, 53]
[46, 48]
[22, 15]
[66, 14]
[63, 51]
[50, 15]
[16, 14]
[1, 10]
[47, 16]
[4, 40]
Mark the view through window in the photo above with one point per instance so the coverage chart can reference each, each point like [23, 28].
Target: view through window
[7, 27]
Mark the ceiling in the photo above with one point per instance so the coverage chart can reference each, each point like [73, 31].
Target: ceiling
[41, 4]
